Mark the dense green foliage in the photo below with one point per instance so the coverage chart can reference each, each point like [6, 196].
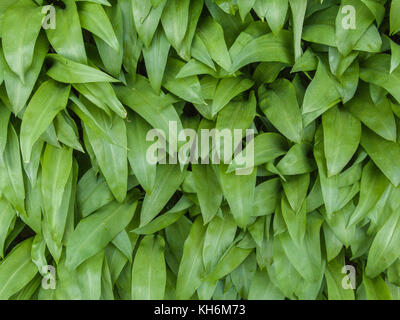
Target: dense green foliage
[319, 83]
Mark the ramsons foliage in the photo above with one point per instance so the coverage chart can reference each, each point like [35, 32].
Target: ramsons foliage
[84, 214]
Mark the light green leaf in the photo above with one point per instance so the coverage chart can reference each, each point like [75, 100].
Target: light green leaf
[20, 28]
[68, 71]
[378, 117]
[191, 268]
[239, 192]
[321, 94]
[268, 47]
[281, 108]
[56, 171]
[208, 190]
[384, 154]
[145, 172]
[148, 270]
[112, 159]
[67, 22]
[219, 236]
[342, 134]
[347, 37]
[226, 90]
[168, 179]
[167, 218]
[11, 175]
[155, 57]
[334, 278]
[17, 91]
[147, 18]
[93, 233]
[175, 19]
[17, 269]
[94, 19]
[212, 35]
[385, 247]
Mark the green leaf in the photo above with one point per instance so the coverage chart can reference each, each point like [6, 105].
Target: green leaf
[239, 192]
[156, 110]
[384, 154]
[394, 13]
[376, 289]
[6, 221]
[112, 59]
[245, 7]
[373, 185]
[262, 288]
[167, 218]
[334, 196]
[298, 8]
[281, 108]
[18, 92]
[347, 37]
[56, 171]
[175, 19]
[295, 220]
[95, 119]
[306, 256]
[3, 7]
[226, 90]
[102, 95]
[297, 160]
[237, 115]
[378, 117]
[93, 233]
[93, 193]
[208, 190]
[342, 134]
[385, 247]
[195, 8]
[48, 101]
[67, 22]
[376, 70]
[11, 175]
[267, 147]
[123, 243]
[94, 19]
[132, 45]
[321, 94]
[266, 197]
[148, 270]
[295, 189]
[395, 61]
[200, 52]
[89, 277]
[4, 120]
[269, 47]
[188, 88]
[17, 269]
[145, 172]
[68, 71]
[275, 14]
[212, 35]
[219, 236]
[168, 179]
[147, 18]
[229, 262]
[20, 28]
[112, 159]
[155, 57]
[334, 278]
[191, 268]
[67, 132]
